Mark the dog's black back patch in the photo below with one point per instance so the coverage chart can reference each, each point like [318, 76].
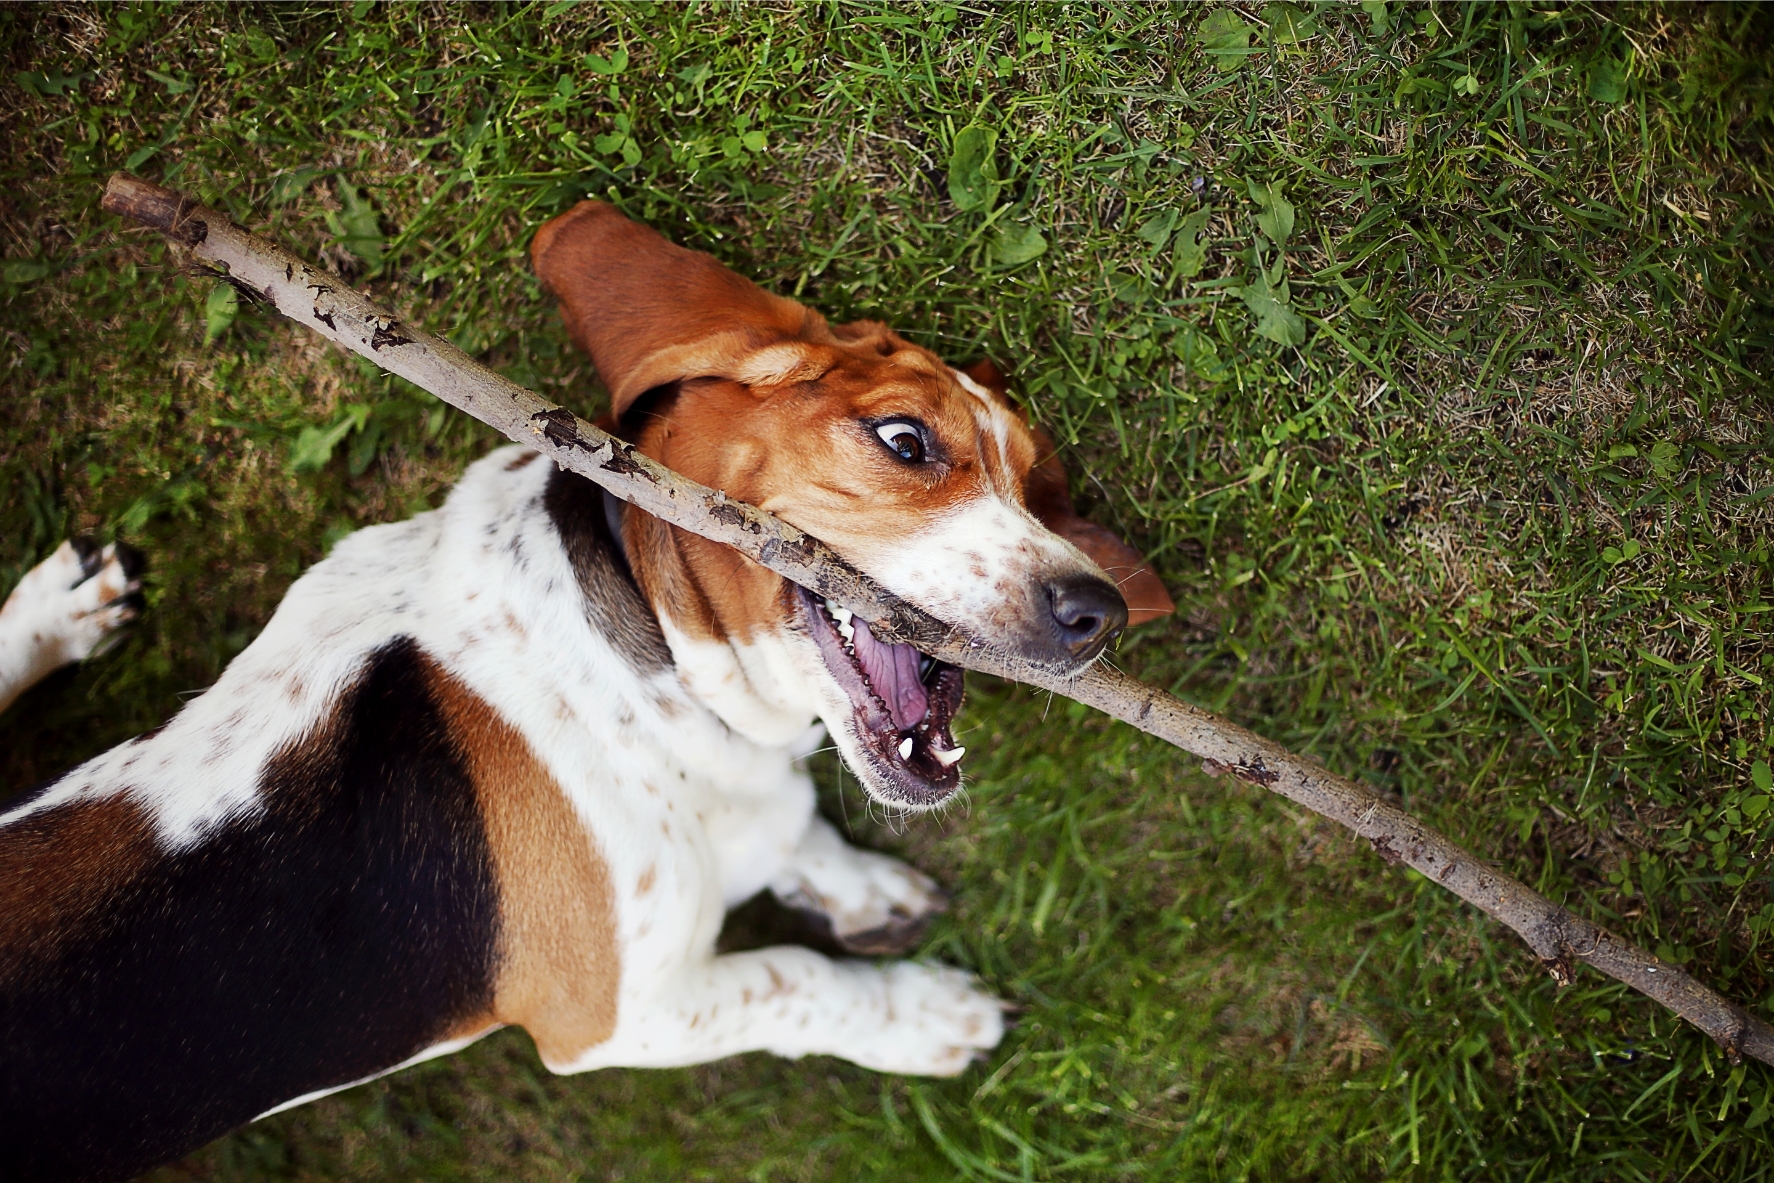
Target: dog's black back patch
[348, 925]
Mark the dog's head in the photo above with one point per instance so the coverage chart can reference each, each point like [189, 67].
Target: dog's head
[923, 476]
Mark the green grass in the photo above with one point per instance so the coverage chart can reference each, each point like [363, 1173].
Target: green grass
[1462, 482]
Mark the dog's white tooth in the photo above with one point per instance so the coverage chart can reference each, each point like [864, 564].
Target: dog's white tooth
[905, 748]
[847, 631]
[948, 759]
[838, 613]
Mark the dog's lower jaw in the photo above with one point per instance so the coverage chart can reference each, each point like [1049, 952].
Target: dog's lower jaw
[771, 688]
[885, 776]
[908, 764]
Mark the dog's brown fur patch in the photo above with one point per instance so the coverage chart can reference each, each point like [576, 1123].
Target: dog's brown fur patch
[558, 968]
[58, 868]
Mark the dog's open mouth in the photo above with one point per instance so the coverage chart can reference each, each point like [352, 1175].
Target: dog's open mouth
[904, 703]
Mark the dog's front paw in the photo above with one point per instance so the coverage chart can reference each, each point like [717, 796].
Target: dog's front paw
[899, 904]
[71, 604]
[876, 906]
[937, 1020]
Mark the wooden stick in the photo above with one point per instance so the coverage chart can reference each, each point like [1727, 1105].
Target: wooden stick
[264, 272]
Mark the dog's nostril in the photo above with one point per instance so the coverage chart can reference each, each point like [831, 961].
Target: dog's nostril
[1087, 612]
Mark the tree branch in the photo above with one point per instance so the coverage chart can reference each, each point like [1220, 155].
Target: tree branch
[262, 271]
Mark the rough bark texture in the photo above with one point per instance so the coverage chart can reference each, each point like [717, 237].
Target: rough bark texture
[320, 300]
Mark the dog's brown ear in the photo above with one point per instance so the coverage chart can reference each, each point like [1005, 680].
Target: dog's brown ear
[650, 312]
[870, 336]
[1046, 495]
[987, 375]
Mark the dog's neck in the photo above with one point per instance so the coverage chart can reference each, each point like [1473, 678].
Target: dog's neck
[726, 622]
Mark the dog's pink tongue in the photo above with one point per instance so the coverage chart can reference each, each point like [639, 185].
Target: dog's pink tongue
[893, 671]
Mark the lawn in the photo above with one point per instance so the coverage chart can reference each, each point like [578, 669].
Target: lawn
[1426, 351]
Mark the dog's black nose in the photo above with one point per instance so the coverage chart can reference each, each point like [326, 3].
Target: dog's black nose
[1087, 611]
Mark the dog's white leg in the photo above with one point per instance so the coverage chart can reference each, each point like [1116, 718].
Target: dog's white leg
[923, 1020]
[753, 834]
[876, 904]
[62, 611]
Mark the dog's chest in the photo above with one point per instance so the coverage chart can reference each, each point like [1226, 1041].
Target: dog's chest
[542, 621]
[689, 816]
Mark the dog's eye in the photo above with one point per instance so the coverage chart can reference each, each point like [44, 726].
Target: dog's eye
[905, 439]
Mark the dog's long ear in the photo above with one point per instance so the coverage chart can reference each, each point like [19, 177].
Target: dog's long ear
[1046, 495]
[649, 312]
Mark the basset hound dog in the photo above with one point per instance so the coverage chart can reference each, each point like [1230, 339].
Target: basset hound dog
[511, 761]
